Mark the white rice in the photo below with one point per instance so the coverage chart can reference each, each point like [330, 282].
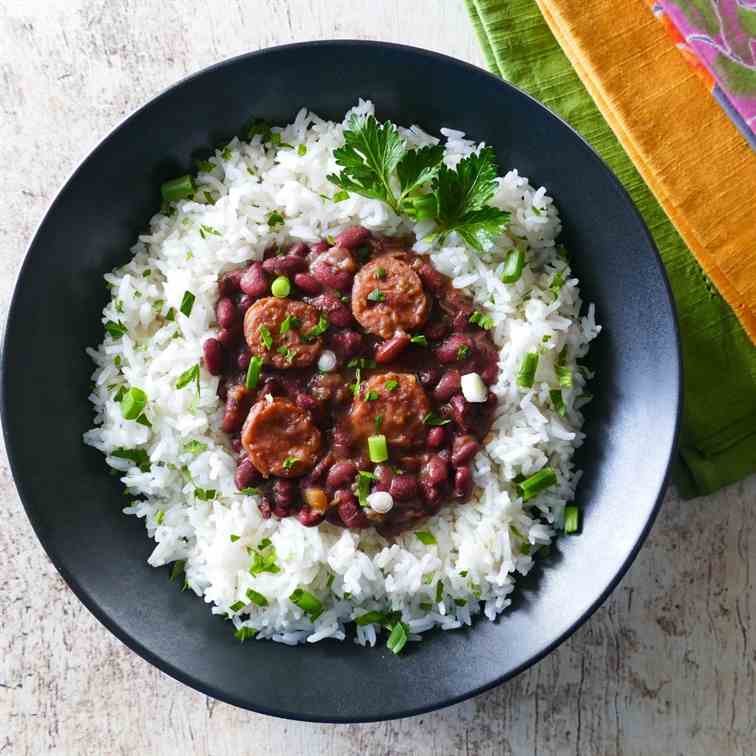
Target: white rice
[481, 545]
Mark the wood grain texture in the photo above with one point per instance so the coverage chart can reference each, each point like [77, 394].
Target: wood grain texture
[666, 666]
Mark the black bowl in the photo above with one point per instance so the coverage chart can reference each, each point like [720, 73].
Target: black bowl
[74, 505]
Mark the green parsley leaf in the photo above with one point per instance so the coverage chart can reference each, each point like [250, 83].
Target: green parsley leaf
[368, 159]
[419, 167]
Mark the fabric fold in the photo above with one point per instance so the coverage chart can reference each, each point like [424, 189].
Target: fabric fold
[718, 435]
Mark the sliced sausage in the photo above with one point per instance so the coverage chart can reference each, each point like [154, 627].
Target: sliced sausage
[281, 438]
[388, 296]
[402, 406]
[288, 349]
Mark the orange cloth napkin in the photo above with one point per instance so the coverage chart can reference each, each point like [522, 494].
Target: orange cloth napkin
[700, 168]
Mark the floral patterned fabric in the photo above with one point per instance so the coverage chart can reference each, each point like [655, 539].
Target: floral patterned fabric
[718, 39]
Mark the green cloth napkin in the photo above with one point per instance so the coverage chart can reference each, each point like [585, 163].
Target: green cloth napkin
[718, 434]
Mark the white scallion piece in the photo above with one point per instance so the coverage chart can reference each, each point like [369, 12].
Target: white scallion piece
[326, 361]
[380, 502]
[473, 388]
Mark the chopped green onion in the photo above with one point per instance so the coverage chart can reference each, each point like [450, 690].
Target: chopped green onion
[391, 385]
[309, 604]
[361, 362]
[265, 337]
[426, 606]
[376, 295]
[371, 396]
[557, 402]
[256, 598]
[250, 491]
[397, 640]
[289, 322]
[462, 352]
[178, 188]
[244, 633]
[133, 402]
[439, 591]
[561, 250]
[171, 314]
[341, 196]
[253, 372]
[204, 166]
[370, 618]
[263, 563]
[419, 339]
[433, 419]
[119, 394]
[275, 219]
[460, 602]
[159, 517]
[540, 481]
[144, 420]
[206, 231]
[463, 573]
[205, 494]
[302, 150]
[563, 372]
[236, 606]
[317, 330]
[557, 282]
[377, 448]
[479, 319]
[138, 456]
[356, 385]
[527, 371]
[288, 354]
[258, 126]
[571, 519]
[378, 423]
[264, 544]
[513, 266]
[380, 273]
[289, 462]
[116, 330]
[281, 287]
[189, 376]
[363, 486]
[234, 538]
[187, 302]
[426, 538]
[177, 568]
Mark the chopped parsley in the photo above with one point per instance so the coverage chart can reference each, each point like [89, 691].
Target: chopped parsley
[116, 330]
[557, 282]
[192, 375]
[288, 354]
[479, 319]
[433, 419]
[317, 330]
[364, 478]
[265, 337]
[462, 352]
[132, 403]
[290, 322]
[289, 462]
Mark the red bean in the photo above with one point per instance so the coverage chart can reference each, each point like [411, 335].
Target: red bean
[432, 278]
[463, 482]
[225, 312]
[236, 444]
[238, 402]
[461, 322]
[284, 496]
[341, 475]
[265, 507]
[212, 355]
[391, 348]
[319, 247]
[229, 337]
[245, 302]
[436, 470]
[246, 474]
[270, 251]
[447, 386]
[300, 249]
[436, 437]
[436, 330]
[383, 477]
[243, 359]
[346, 343]
[338, 315]
[308, 284]
[353, 237]
[331, 277]
[254, 282]
[350, 512]
[449, 351]
[464, 448]
[286, 265]
[310, 517]
[403, 487]
[460, 412]
[430, 375]
[230, 283]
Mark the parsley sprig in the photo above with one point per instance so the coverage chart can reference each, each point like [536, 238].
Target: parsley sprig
[377, 163]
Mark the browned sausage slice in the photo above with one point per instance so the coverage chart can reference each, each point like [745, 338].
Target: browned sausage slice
[288, 349]
[280, 438]
[388, 296]
[400, 400]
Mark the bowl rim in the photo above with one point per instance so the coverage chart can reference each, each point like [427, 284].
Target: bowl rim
[190, 680]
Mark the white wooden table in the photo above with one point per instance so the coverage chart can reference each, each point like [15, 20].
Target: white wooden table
[666, 666]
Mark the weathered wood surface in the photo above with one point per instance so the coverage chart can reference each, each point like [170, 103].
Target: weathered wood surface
[665, 667]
